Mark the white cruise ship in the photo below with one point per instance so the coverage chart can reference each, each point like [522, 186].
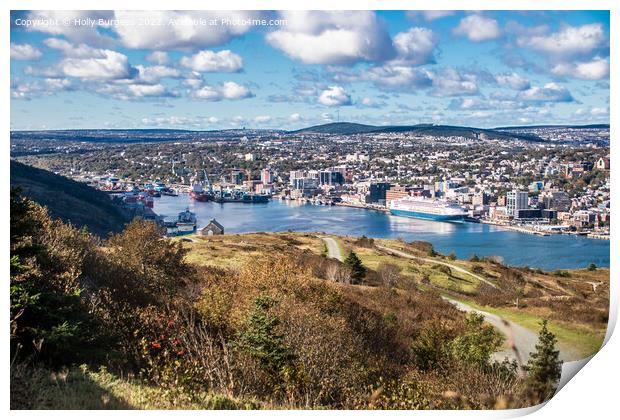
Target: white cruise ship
[425, 208]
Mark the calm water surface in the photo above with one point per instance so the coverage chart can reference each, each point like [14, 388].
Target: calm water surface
[465, 239]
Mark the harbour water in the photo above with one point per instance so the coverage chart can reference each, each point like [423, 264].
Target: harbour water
[464, 239]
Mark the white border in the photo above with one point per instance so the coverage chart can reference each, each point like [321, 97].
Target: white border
[592, 394]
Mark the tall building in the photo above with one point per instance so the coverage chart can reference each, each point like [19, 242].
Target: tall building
[296, 175]
[558, 200]
[515, 201]
[331, 177]
[266, 176]
[377, 192]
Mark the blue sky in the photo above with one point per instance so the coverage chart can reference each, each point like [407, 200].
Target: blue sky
[214, 70]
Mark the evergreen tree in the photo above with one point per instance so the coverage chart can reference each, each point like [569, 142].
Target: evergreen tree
[358, 271]
[544, 367]
[261, 340]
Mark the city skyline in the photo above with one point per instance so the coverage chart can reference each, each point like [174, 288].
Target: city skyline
[217, 70]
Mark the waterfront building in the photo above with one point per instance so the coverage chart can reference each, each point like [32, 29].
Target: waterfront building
[528, 214]
[266, 176]
[331, 177]
[377, 192]
[515, 200]
[480, 199]
[558, 200]
[293, 175]
[394, 193]
[549, 214]
[213, 228]
[304, 183]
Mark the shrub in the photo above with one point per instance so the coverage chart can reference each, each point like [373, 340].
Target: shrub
[561, 273]
[389, 274]
[477, 343]
[399, 395]
[431, 347]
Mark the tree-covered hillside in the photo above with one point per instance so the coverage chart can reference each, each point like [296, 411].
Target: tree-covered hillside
[71, 201]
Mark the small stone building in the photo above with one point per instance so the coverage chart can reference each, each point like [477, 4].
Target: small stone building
[212, 228]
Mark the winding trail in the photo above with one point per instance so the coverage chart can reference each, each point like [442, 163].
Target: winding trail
[429, 260]
[333, 250]
[521, 341]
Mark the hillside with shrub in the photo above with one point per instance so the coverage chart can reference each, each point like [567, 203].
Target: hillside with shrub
[74, 202]
[137, 321]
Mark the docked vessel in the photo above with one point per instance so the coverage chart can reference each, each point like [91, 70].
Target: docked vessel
[186, 223]
[198, 194]
[255, 198]
[429, 209]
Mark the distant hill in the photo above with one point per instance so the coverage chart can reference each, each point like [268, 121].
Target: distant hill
[338, 128]
[522, 127]
[71, 201]
[346, 128]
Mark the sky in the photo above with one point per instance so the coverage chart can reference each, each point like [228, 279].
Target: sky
[211, 70]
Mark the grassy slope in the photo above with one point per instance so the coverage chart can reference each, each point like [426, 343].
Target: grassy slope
[84, 389]
[235, 250]
[69, 200]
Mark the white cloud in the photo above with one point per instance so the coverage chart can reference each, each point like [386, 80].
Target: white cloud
[24, 52]
[141, 91]
[112, 65]
[397, 78]
[550, 92]
[368, 102]
[450, 82]
[295, 117]
[179, 30]
[47, 86]
[261, 119]
[72, 50]
[512, 80]
[477, 28]
[568, 41]
[430, 15]
[335, 96]
[210, 61]
[415, 46]
[599, 111]
[596, 69]
[85, 62]
[153, 74]
[76, 33]
[227, 90]
[342, 37]
[158, 57]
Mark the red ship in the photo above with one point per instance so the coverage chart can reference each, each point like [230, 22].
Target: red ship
[198, 194]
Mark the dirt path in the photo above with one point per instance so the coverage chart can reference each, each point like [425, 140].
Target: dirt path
[429, 260]
[333, 250]
[521, 341]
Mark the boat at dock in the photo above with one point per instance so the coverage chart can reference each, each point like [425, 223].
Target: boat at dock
[198, 194]
[186, 223]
